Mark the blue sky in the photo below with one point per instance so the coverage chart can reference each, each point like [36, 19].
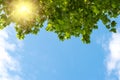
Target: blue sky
[45, 57]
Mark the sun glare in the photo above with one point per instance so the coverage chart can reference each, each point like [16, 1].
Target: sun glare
[24, 11]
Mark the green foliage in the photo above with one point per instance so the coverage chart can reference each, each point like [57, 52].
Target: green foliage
[65, 17]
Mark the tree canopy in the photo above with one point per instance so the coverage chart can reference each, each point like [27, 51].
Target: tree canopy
[66, 18]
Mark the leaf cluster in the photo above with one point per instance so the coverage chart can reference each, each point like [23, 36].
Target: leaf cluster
[66, 18]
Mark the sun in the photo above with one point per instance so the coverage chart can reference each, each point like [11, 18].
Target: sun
[24, 11]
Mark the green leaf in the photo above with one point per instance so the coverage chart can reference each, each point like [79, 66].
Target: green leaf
[95, 27]
[108, 26]
[113, 30]
[113, 23]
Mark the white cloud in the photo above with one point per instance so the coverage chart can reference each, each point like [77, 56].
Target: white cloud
[9, 66]
[113, 58]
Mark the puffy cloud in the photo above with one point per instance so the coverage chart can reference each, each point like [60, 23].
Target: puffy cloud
[9, 66]
[113, 58]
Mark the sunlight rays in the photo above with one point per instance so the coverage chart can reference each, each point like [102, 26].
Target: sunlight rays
[24, 12]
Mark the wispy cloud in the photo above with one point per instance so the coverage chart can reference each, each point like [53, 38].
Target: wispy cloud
[9, 66]
[113, 58]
